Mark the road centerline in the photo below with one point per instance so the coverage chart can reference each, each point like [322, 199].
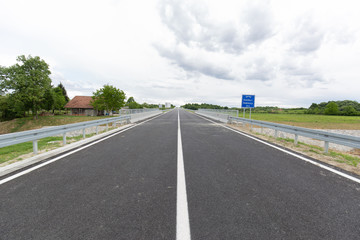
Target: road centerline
[182, 214]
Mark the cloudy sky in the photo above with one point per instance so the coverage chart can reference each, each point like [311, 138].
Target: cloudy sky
[287, 53]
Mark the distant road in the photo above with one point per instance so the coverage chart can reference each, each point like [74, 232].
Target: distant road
[129, 186]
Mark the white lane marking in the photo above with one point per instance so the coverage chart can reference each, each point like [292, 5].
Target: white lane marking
[290, 153]
[182, 214]
[67, 154]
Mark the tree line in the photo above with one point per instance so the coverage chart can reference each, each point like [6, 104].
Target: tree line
[196, 106]
[110, 99]
[344, 108]
[26, 86]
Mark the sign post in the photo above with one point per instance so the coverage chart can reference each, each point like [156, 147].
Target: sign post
[248, 101]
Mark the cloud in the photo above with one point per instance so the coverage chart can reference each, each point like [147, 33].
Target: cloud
[193, 26]
[259, 21]
[301, 71]
[166, 87]
[200, 40]
[194, 63]
[260, 69]
[307, 36]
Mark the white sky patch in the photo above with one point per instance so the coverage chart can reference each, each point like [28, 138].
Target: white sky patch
[287, 53]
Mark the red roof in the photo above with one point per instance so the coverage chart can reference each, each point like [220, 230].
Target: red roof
[79, 102]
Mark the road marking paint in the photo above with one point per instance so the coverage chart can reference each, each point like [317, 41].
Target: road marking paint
[182, 214]
[290, 153]
[69, 153]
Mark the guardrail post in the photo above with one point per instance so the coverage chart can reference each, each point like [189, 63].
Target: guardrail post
[83, 132]
[97, 130]
[35, 146]
[113, 124]
[64, 139]
[262, 130]
[107, 127]
[326, 147]
[296, 139]
[276, 133]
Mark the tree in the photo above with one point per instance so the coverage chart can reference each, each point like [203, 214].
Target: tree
[350, 111]
[134, 105]
[130, 100]
[108, 98]
[48, 103]
[331, 109]
[64, 93]
[7, 112]
[54, 99]
[59, 98]
[27, 81]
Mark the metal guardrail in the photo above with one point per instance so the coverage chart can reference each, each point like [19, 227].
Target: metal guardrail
[327, 137]
[35, 135]
[213, 114]
[139, 114]
[229, 112]
[136, 111]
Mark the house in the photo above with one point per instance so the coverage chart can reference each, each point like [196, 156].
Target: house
[80, 105]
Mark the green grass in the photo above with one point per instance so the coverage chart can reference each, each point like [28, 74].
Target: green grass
[340, 157]
[19, 124]
[309, 120]
[314, 151]
[14, 151]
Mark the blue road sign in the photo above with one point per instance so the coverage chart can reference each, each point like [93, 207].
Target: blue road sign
[248, 101]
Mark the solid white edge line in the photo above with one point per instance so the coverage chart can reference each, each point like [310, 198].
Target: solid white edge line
[182, 214]
[288, 152]
[69, 153]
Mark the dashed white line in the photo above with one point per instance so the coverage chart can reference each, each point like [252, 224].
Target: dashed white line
[182, 213]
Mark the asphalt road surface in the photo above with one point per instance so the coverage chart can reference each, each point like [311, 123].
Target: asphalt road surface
[215, 184]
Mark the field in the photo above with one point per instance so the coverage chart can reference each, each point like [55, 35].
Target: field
[309, 120]
[28, 123]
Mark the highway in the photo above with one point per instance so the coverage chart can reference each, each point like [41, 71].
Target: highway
[179, 176]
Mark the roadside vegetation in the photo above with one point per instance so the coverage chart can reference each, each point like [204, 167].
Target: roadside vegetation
[26, 87]
[26, 90]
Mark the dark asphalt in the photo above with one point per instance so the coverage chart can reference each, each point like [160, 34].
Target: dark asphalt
[121, 188]
[125, 188]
